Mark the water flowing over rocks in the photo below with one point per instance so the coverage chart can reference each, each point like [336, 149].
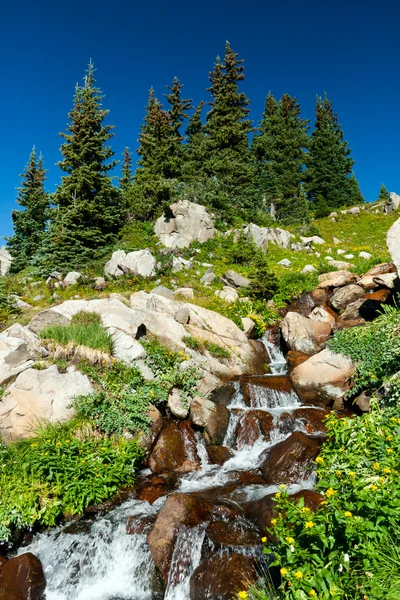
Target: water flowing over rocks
[22, 578]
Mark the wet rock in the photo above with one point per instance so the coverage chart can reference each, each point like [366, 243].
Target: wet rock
[303, 305]
[223, 395]
[154, 487]
[179, 510]
[336, 279]
[149, 438]
[365, 309]
[212, 417]
[171, 453]
[140, 524]
[218, 454]
[312, 419]
[304, 335]
[294, 359]
[312, 499]
[288, 461]
[261, 512]
[22, 578]
[323, 378]
[254, 425]
[234, 533]
[220, 577]
[346, 295]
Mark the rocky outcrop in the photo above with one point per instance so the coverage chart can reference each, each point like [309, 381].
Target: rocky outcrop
[303, 334]
[393, 202]
[393, 243]
[5, 260]
[184, 223]
[141, 263]
[15, 357]
[22, 578]
[323, 378]
[261, 236]
[39, 395]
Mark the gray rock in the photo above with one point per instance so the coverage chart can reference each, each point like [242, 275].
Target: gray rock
[346, 295]
[355, 210]
[15, 357]
[186, 293]
[309, 269]
[340, 251]
[365, 255]
[178, 408]
[339, 264]
[178, 264]
[161, 290]
[112, 268]
[261, 236]
[141, 263]
[285, 262]
[228, 294]
[182, 315]
[393, 243]
[333, 214]
[336, 241]
[236, 279]
[348, 256]
[249, 327]
[393, 203]
[145, 370]
[38, 297]
[208, 277]
[99, 283]
[313, 240]
[186, 223]
[5, 260]
[72, 278]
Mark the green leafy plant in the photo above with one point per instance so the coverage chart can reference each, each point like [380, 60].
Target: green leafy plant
[203, 345]
[264, 282]
[85, 330]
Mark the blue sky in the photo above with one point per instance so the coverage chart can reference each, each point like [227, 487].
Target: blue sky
[350, 49]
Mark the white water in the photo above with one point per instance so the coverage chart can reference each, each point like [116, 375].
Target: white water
[103, 562]
[278, 364]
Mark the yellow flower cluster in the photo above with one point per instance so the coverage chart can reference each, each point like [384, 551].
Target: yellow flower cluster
[329, 493]
[309, 524]
[243, 595]
[319, 460]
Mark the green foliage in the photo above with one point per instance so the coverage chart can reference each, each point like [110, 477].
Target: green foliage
[375, 348]
[60, 473]
[203, 345]
[293, 285]
[85, 330]
[7, 304]
[321, 208]
[264, 282]
[29, 224]
[329, 164]
[383, 194]
[347, 548]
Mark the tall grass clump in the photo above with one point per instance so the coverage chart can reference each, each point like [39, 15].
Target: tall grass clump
[85, 329]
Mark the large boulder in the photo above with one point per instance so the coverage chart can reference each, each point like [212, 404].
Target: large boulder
[213, 418]
[22, 578]
[221, 577]
[261, 236]
[323, 378]
[288, 461]
[185, 222]
[303, 334]
[15, 357]
[180, 510]
[346, 295]
[393, 202]
[31, 340]
[39, 395]
[5, 260]
[140, 262]
[175, 450]
[336, 279]
[393, 243]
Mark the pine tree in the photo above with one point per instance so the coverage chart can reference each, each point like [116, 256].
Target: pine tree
[383, 194]
[195, 151]
[178, 112]
[355, 195]
[29, 224]
[88, 210]
[126, 180]
[278, 151]
[329, 164]
[227, 128]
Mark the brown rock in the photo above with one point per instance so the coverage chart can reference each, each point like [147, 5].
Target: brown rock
[140, 525]
[223, 395]
[261, 512]
[148, 439]
[322, 315]
[367, 308]
[153, 487]
[346, 295]
[220, 577]
[170, 452]
[312, 500]
[254, 425]
[22, 578]
[312, 419]
[304, 335]
[303, 305]
[288, 461]
[336, 279]
[319, 296]
[218, 454]
[381, 269]
[294, 359]
[179, 509]
[363, 402]
[234, 533]
[323, 378]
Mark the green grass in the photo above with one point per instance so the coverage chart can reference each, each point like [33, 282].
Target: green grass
[203, 345]
[85, 330]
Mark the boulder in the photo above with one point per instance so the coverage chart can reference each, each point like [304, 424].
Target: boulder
[355, 210]
[174, 451]
[179, 264]
[141, 262]
[218, 455]
[152, 487]
[5, 260]
[38, 395]
[72, 278]
[125, 347]
[182, 315]
[186, 293]
[323, 378]
[22, 578]
[258, 235]
[208, 277]
[178, 408]
[393, 202]
[254, 425]
[99, 283]
[32, 341]
[234, 533]
[340, 264]
[288, 461]
[346, 295]
[228, 294]
[220, 577]
[309, 269]
[393, 243]
[336, 279]
[161, 290]
[322, 315]
[285, 262]
[185, 222]
[249, 327]
[365, 309]
[148, 439]
[315, 240]
[303, 334]
[15, 358]
[112, 268]
[213, 418]
[236, 279]
[278, 236]
[180, 510]
[381, 269]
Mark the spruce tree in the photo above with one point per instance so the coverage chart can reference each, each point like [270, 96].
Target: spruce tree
[88, 211]
[29, 224]
[278, 151]
[126, 180]
[355, 195]
[329, 164]
[195, 151]
[383, 194]
[228, 128]
[177, 113]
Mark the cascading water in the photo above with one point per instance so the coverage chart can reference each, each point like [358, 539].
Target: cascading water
[99, 560]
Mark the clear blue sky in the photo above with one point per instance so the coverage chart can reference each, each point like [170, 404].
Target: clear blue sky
[348, 48]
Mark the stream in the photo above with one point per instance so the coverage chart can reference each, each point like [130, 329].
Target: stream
[98, 560]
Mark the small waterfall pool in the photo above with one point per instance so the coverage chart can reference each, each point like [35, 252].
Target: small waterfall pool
[99, 560]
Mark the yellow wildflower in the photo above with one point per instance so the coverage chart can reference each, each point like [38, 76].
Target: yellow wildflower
[290, 540]
[298, 574]
[352, 474]
[283, 485]
[243, 595]
[376, 466]
[263, 539]
[389, 438]
[323, 502]
[382, 479]
[305, 509]
[387, 470]
[283, 571]
[273, 522]
[313, 593]
[373, 487]
[33, 445]
[389, 450]
[309, 524]
[58, 444]
[338, 473]
[319, 460]
[348, 514]
[278, 495]
[393, 419]
[398, 421]
[330, 492]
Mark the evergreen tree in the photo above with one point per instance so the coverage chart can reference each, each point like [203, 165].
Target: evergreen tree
[383, 194]
[177, 113]
[355, 195]
[329, 164]
[278, 150]
[227, 128]
[88, 211]
[29, 224]
[195, 150]
[126, 180]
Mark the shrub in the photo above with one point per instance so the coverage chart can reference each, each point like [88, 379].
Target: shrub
[193, 343]
[7, 304]
[264, 282]
[85, 330]
[292, 285]
[202, 345]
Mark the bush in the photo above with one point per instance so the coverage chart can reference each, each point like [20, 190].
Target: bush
[292, 285]
[264, 282]
[85, 330]
[60, 473]
[7, 304]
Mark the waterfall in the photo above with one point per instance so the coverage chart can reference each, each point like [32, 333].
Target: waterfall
[277, 365]
[185, 559]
